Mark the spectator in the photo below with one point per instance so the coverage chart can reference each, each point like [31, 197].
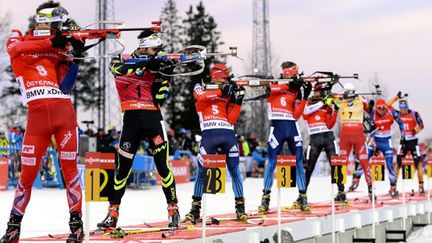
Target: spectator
[102, 141]
[186, 141]
[260, 156]
[252, 141]
[172, 142]
[243, 146]
[4, 145]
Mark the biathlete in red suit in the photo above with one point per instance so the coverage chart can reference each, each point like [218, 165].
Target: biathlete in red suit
[320, 115]
[218, 111]
[285, 106]
[142, 92]
[44, 75]
[412, 124]
[352, 113]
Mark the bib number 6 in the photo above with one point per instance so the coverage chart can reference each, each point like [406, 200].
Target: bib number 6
[283, 101]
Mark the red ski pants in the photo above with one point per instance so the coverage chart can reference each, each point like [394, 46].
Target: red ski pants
[46, 118]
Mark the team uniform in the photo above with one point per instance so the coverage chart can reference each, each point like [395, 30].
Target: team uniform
[352, 133]
[40, 70]
[285, 106]
[382, 124]
[139, 90]
[320, 119]
[217, 114]
[409, 142]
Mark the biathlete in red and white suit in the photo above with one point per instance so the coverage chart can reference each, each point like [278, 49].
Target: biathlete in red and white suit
[412, 125]
[45, 74]
[142, 91]
[218, 110]
[383, 118]
[285, 106]
[320, 115]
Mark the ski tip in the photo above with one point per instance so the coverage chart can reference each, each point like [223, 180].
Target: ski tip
[190, 227]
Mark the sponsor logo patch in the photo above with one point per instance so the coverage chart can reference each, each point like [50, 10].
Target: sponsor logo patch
[28, 161]
[66, 139]
[126, 146]
[157, 140]
[28, 149]
[68, 155]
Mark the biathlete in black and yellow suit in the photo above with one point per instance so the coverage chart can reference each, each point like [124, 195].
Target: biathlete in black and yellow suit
[142, 91]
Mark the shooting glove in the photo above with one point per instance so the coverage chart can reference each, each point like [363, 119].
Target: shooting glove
[336, 104]
[307, 90]
[160, 91]
[78, 49]
[153, 64]
[328, 100]
[59, 41]
[295, 85]
[228, 90]
[240, 93]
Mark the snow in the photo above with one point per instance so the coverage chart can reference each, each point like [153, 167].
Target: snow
[47, 212]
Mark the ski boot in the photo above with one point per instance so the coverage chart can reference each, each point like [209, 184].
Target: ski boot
[421, 189]
[76, 228]
[370, 194]
[240, 208]
[341, 198]
[296, 204]
[173, 215]
[265, 203]
[393, 192]
[304, 205]
[111, 219]
[13, 230]
[355, 184]
[194, 213]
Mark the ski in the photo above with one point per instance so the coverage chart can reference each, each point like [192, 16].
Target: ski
[121, 233]
[99, 231]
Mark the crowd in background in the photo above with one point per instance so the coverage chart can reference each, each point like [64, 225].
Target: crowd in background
[183, 143]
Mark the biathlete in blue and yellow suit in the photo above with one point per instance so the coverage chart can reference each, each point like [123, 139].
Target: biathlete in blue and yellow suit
[382, 118]
[285, 106]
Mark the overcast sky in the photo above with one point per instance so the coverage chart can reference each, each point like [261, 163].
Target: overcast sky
[391, 39]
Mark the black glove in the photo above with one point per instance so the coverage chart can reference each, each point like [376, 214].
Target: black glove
[295, 85]
[399, 95]
[167, 67]
[307, 90]
[402, 140]
[153, 64]
[78, 49]
[59, 41]
[228, 90]
[240, 93]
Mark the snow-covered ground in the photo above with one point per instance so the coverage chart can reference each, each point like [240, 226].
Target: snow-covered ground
[47, 211]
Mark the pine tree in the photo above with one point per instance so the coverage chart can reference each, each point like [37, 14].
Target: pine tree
[199, 28]
[170, 24]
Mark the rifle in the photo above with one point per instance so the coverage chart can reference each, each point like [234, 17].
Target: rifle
[190, 57]
[83, 34]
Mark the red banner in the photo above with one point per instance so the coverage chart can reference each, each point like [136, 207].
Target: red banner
[180, 169]
[377, 160]
[3, 173]
[286, 160]
[98, 160]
